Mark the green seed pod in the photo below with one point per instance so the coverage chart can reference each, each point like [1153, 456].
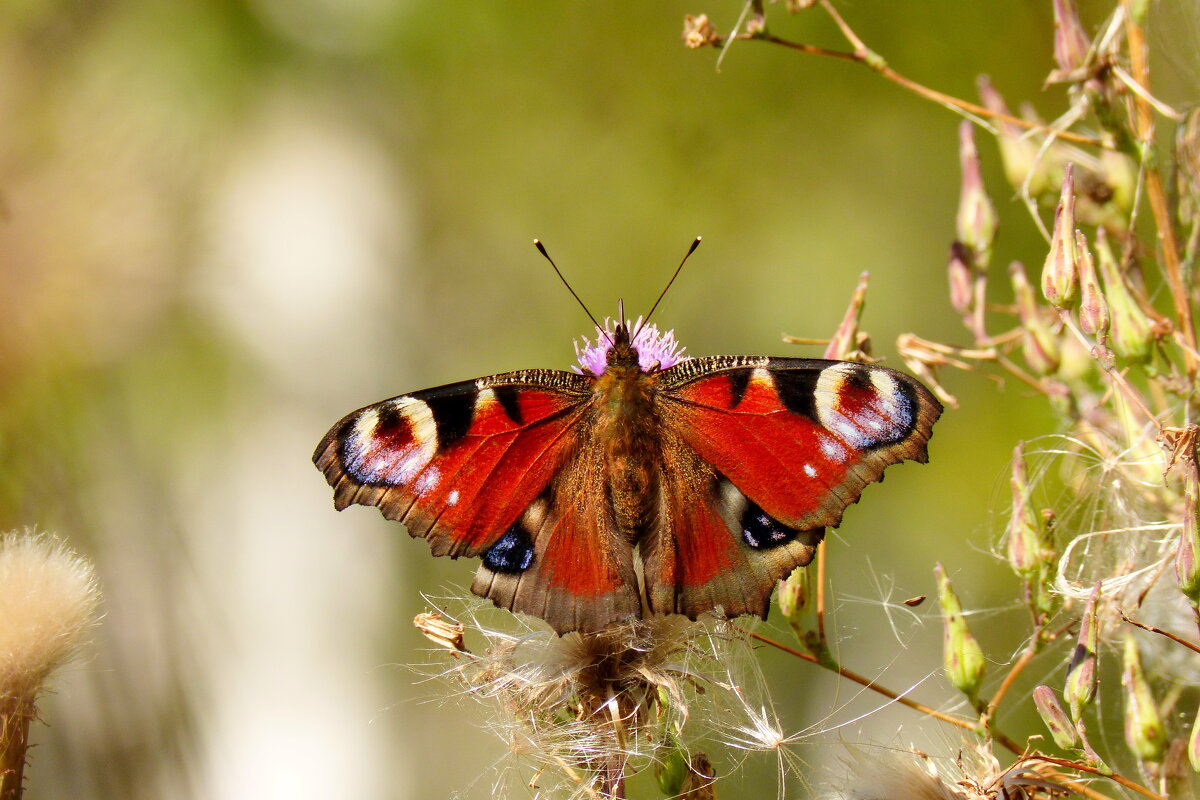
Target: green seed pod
[962, 658]
[1144, 732]
[1130, 330]
[1080, 688]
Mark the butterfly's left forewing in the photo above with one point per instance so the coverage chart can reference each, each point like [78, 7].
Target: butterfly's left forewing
[505, 468]
[458, 464]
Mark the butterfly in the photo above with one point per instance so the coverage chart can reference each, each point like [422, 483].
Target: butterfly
[644, 482]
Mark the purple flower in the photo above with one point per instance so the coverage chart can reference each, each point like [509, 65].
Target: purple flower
[653, 348]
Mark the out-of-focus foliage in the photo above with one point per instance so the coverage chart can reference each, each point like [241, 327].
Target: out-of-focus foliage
[226, 223]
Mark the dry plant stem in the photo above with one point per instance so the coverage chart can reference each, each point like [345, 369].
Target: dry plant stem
[1114, 777]
[1189, 645]
[1154, 187]
[920, 89]
[1007, 683]
[14, 741]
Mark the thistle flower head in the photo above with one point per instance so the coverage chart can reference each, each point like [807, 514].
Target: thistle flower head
[896, 775]
[654, 349]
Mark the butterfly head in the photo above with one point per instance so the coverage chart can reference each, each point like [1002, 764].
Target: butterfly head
[625, 344]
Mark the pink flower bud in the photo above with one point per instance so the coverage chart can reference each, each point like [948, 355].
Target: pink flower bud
[1060, 270]
[1070, 42]
[1093, 308]
[1061, 728]
[1039, 345]
[961, 278]
[976, 220]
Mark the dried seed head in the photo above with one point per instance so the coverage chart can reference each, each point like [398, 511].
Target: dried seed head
[1060, 270]
[1039, 345]
[698, 31]
[1061, 728]
[1130, 330]
[962, 657]
[976, 220]
[48, 603]
[1093, 308]
[1144, 732]
[441, 631]
[1080, 688]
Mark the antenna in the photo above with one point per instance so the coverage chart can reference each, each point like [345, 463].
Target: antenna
[538, 244]
[686, 256]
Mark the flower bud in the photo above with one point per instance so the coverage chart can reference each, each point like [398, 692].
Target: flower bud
[1080, 688]
[1038, 343]
[1026, 554]
[961, 278]
[1187, 552]
[1060, 270]
[1130, 331]
[1061, 728]
[962, 658]
[1019, 154]
[845, 339]
[976, 220]
[1093, 309]
[1144, 731]
[1071, 44]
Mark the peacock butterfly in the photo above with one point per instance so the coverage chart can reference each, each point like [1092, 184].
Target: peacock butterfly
[644, 482]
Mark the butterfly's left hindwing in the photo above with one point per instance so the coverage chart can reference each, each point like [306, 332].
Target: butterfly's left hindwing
[459, 464]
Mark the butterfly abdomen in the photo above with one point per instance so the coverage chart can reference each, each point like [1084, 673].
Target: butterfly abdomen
[628, 430]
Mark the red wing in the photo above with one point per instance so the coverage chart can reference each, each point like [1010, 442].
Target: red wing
[799, 437]
[563, 560]
[712, 549]
[458, 464]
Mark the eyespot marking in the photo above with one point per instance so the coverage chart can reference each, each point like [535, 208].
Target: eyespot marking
[512, 553]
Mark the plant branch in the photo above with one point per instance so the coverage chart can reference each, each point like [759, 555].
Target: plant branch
[1112, 776]
[872, 60]
[1189, 645]
[1155, 191]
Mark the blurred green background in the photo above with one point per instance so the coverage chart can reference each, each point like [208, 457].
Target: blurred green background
[228, 222]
